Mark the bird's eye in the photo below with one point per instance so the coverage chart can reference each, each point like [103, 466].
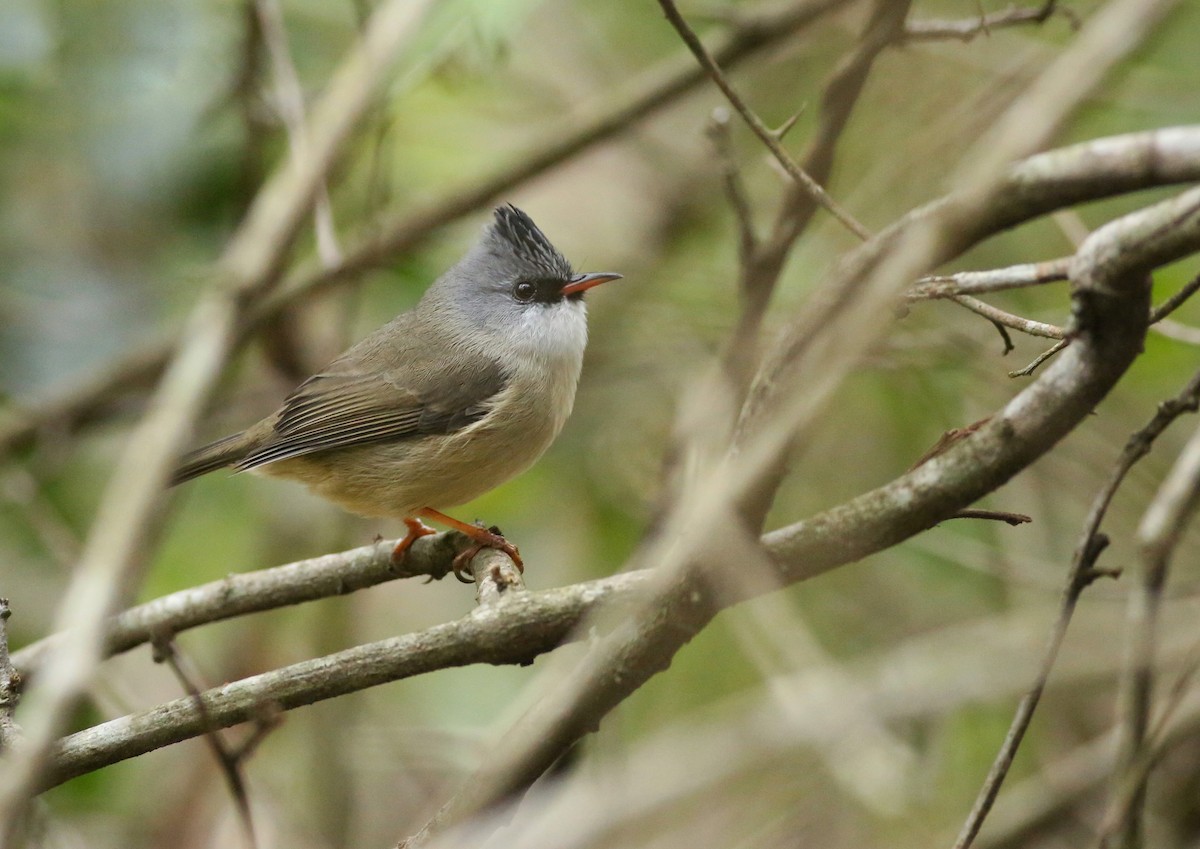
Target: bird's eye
[524, 291]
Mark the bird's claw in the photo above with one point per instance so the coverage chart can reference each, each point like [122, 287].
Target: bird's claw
[416, 530]
[485, 538]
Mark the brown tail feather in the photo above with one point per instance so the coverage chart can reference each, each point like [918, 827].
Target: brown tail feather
[215, 455]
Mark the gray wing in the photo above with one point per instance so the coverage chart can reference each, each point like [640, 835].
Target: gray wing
[349, 406]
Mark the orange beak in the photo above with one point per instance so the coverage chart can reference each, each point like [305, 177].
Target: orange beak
[583, 282]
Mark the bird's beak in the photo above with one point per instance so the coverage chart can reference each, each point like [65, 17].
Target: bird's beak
[583, 282]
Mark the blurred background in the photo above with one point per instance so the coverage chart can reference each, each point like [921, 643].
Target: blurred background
[133, 134]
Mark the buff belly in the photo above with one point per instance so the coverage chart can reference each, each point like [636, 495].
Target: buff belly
[397, 479]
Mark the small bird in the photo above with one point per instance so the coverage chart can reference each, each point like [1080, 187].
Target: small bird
[443, 403]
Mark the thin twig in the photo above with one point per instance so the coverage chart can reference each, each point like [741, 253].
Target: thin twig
[1175, 301]
[755, 123]
[1007, 319]
[731, 179]
[994, 280]
[1080, 576]
[1157, 319]
[1040, 358]
[1158, 536]
[1013, 519]
[289, 97]
[165, 651]
[968, 28]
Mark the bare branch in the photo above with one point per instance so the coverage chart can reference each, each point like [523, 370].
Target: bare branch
[755, 123]
[251, 592]
[1175, 301]
[514, 629]
[290, 100]
[967, 29]
[994, 280]
[1158, 536]
[1040, 358]
[1080, 576]
[165, 651]
[731, 178]
[1007, 319]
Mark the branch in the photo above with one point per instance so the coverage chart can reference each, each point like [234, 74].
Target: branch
[251, 592]
[1007, 319]
[1079, 577]
[1158, 536]
[766, 136]
[994, 280]
[968, 28]
[513, 630]
[165, 651]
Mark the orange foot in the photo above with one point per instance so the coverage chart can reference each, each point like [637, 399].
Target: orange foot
[482, 537]
[416, 530]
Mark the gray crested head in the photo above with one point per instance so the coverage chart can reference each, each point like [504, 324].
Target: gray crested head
[511, 252]
[514, 238]
[514, 283]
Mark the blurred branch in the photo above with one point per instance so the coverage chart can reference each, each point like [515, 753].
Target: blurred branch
[165, 651]
[968, 28]
[766, 136]
[760, 268]
[289, 97]
[735, 191]
[1178, 332]
[1158, 536]
[125, 522]
[1079, 577]
[86, 404]
[281, 334]
[251, 592]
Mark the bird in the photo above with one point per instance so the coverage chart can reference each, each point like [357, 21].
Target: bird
[445, 402]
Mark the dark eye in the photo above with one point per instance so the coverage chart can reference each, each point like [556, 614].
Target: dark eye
[524, 291]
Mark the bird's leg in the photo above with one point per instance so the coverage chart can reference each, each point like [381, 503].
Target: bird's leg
[483, 538]
[416, 530]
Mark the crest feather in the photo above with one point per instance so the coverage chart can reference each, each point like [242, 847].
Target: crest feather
[530, 243]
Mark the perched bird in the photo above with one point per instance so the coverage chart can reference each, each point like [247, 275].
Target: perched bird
[443, 403]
